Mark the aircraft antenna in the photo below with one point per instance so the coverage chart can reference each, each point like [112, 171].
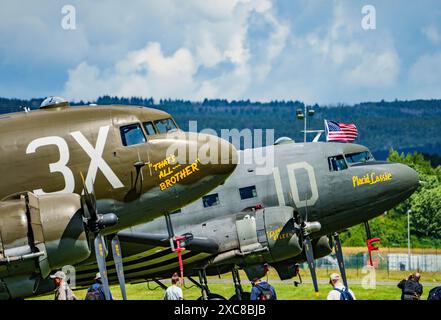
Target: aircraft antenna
[306, 207]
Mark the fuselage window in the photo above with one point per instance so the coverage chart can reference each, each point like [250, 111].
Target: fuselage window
[210, 200]
[149, 128]
[359, 157]
[165, 125]
[248, 192]
[132, 134]
[337, 163]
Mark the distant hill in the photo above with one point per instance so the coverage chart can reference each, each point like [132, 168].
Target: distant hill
[403, 125]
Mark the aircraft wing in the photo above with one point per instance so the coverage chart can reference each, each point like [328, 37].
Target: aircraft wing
[197, 244]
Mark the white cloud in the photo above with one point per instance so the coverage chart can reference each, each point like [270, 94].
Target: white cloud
[342, 57]
[314, 51]
[151, 72]
[432, 34]
[425, 76]
[146, 72]
[374, 70]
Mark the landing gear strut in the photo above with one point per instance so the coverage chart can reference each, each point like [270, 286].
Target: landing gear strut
[240, 294]
[340, 259]
[203, 285]
[237, 284]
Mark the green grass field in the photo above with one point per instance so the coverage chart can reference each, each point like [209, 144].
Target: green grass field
[387, 290]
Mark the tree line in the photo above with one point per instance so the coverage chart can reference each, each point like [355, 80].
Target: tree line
[402, 125]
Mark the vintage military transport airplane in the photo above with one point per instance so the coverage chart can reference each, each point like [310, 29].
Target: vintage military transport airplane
[288, 216]
[73, 174]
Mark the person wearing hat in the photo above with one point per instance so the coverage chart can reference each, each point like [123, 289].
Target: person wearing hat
[339, 291]
[62, 290]
[96, 291]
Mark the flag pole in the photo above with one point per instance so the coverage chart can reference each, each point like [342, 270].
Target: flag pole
[326, 130]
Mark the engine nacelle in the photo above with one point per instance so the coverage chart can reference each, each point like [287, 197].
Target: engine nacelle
[282, 235]
[49, 228]
[266, 235]
[288, 268]
[321, 247]
[263, 236]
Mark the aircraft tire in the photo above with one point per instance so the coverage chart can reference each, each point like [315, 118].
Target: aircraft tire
[213, 296]
[246, 296]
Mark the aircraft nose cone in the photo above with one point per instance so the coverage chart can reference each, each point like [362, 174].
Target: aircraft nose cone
[407, 177]
[218, 155]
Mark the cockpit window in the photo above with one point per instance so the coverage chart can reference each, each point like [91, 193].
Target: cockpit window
[337, 163]
[132, 134]
[359, 157]
[165, 125]
[149, 128]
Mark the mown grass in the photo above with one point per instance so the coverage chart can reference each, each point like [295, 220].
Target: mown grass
[385, 289]
[284, 292]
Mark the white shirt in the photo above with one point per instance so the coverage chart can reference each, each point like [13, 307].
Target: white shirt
[173, 293]
[335, 295]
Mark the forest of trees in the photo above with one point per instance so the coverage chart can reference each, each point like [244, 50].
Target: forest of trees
[402, 125]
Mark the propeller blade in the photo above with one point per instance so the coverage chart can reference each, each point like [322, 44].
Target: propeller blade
[90, 200]
[311, 263]
[117, 258]
[100, 254]
[341, 263]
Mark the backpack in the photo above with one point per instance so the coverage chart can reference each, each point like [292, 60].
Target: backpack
[435, 294]
[410, 290]
[95, 293]
[345, 294]
[265, 294]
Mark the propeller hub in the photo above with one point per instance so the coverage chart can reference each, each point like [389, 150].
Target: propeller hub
[107, 220]
[311, 227]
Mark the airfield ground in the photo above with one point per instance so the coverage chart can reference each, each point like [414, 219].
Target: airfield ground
[385, 289]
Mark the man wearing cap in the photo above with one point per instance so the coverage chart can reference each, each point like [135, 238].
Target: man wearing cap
[62, 290]
[339, 291]
[96, 291]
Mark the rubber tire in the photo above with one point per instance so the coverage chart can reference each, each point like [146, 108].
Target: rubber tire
[213, 296]
[246, 296]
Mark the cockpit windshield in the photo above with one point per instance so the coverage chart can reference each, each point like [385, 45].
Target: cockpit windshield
[359, 157]
[165, 125]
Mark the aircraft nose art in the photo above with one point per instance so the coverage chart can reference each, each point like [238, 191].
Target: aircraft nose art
[198, 161]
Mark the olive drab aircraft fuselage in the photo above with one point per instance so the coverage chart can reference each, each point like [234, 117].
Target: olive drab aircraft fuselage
[248, 220]
[52, 156]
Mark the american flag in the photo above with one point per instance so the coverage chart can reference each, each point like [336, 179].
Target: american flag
[339, 131]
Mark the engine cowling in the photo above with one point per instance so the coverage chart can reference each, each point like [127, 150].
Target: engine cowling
[288, 268]
[321, 248]
[48, 229]
[282, 235]
[266, 235]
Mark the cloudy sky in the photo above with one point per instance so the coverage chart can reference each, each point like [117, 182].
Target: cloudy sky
[310, 50]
